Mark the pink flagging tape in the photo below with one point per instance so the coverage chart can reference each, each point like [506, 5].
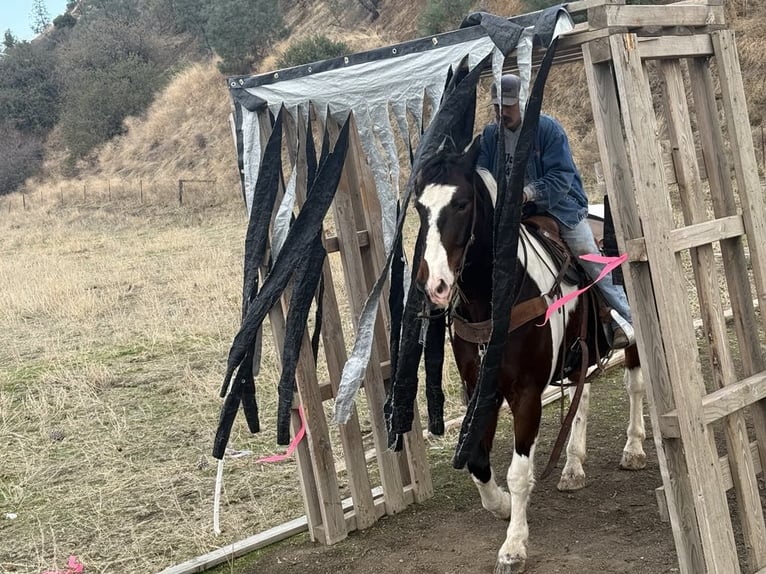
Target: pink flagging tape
[609, 264]
[293, 444]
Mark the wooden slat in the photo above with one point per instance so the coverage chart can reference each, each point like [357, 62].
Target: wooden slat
[661, 47]
[303, 455]
[670, 15]
[356, 289]
[720, 403]
[335, 354]
[691, 236]
[706, 277]
[332, 245]
[619, 181]
[641, 131]
[748, 185]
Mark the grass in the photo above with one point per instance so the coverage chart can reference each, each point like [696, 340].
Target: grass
[115, 324]
[114, 330]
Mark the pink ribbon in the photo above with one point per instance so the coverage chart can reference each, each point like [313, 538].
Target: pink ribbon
[609, 264]
[293, 444]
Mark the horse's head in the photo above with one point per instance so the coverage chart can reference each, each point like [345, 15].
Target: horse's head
[450, 204]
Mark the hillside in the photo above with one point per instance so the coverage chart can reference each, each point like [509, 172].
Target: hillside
[186, 134]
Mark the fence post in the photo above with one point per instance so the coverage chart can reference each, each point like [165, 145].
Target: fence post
[141, 191]
[109, 189]
[61, 195]
[83, 193]
[24, 201]
[180, 192]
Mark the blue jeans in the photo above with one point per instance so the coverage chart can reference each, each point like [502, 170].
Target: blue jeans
[580, 241]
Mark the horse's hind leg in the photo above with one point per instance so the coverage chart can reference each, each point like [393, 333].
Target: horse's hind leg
[493, 498]
[573, 475]
[633, 456]
[527, 410]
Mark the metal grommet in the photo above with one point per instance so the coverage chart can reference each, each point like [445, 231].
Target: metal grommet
[233, 84]
[434, 41]
[393, 50]
[241, 82]
[309, 69]
[345, 59]
[276, 75]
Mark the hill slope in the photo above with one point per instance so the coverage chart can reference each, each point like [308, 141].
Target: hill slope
[186, 132]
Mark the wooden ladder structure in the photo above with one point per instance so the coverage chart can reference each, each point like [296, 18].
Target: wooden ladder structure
[358, 237]
[656, 66]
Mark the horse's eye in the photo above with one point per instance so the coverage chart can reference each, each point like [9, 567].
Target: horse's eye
[462, 206]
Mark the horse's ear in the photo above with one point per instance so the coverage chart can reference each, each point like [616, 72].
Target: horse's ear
[472, 154]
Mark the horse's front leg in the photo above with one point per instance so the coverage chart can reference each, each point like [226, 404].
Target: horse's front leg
[573, 475]
[493, 498]
[633, 456]
[527, 410]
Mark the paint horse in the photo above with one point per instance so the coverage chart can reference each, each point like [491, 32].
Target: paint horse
[455, 202]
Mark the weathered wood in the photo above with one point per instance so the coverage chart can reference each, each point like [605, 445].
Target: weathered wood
[356, 289]
[748, 187]
[643, 15]
[720, 403]
[332, 245]
[619, 183]
[660, 47]
[711, 308]
[673, 308]
[335, 354]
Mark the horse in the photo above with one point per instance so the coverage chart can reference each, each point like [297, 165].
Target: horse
[455, 203]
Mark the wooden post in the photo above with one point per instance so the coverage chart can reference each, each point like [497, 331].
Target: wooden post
[109, 189]
[180, 192]
[83, 192]
[141, 191]
[24, 201]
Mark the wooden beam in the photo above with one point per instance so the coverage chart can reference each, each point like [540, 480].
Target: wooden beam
[661, 47]
[720, 403]
[636, 16]
[332, 245]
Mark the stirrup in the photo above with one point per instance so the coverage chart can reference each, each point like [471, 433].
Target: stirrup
[624, 335]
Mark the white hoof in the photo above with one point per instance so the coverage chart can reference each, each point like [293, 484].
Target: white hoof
[571, 481]
[508, 564]
[633, 460]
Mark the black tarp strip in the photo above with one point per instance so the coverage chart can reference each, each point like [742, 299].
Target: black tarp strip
[298, 240]
[484, 400]
[434, 361]
[610, 242]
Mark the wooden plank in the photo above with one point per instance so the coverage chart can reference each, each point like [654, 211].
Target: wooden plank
[335, 354]
[332, 245]
[711, 308]
[720, 403]
[641, 132]
[636, 16]
[661, 47]
[356, 289]
[619, 182]
[311, 501]
[748, 185]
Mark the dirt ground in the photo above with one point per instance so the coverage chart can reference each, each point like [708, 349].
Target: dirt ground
[611, 526]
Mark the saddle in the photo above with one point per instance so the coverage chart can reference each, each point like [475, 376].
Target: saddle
[546, 231]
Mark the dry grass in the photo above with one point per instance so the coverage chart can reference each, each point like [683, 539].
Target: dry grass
[114, 330]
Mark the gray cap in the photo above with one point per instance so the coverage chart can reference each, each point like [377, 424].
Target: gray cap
[510, 90]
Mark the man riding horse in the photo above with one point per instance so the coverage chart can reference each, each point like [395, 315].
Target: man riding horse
[553, 186]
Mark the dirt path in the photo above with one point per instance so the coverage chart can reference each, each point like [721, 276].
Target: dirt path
[611, 526]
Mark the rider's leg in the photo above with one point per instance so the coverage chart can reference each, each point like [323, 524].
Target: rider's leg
[580, 241]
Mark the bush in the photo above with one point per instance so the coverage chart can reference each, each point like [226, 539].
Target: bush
[443, 15]
[311, 49]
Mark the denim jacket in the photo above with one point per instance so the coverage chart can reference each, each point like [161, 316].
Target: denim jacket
[553, 182]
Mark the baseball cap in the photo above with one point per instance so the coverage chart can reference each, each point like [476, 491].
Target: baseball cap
[510, 90]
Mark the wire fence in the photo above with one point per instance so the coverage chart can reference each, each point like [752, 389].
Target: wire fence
[186, 192]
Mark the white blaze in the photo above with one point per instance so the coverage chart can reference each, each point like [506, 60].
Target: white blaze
[434, 198]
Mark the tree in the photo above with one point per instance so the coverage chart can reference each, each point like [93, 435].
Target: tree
[9, 40]
[21, 156]
[240, 31]
[40, 18]
[442, 15]
[29, 90]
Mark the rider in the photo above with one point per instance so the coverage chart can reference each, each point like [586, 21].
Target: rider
[553, 186]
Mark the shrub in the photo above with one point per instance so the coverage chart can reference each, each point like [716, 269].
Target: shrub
[442, 15]
[312, 49]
